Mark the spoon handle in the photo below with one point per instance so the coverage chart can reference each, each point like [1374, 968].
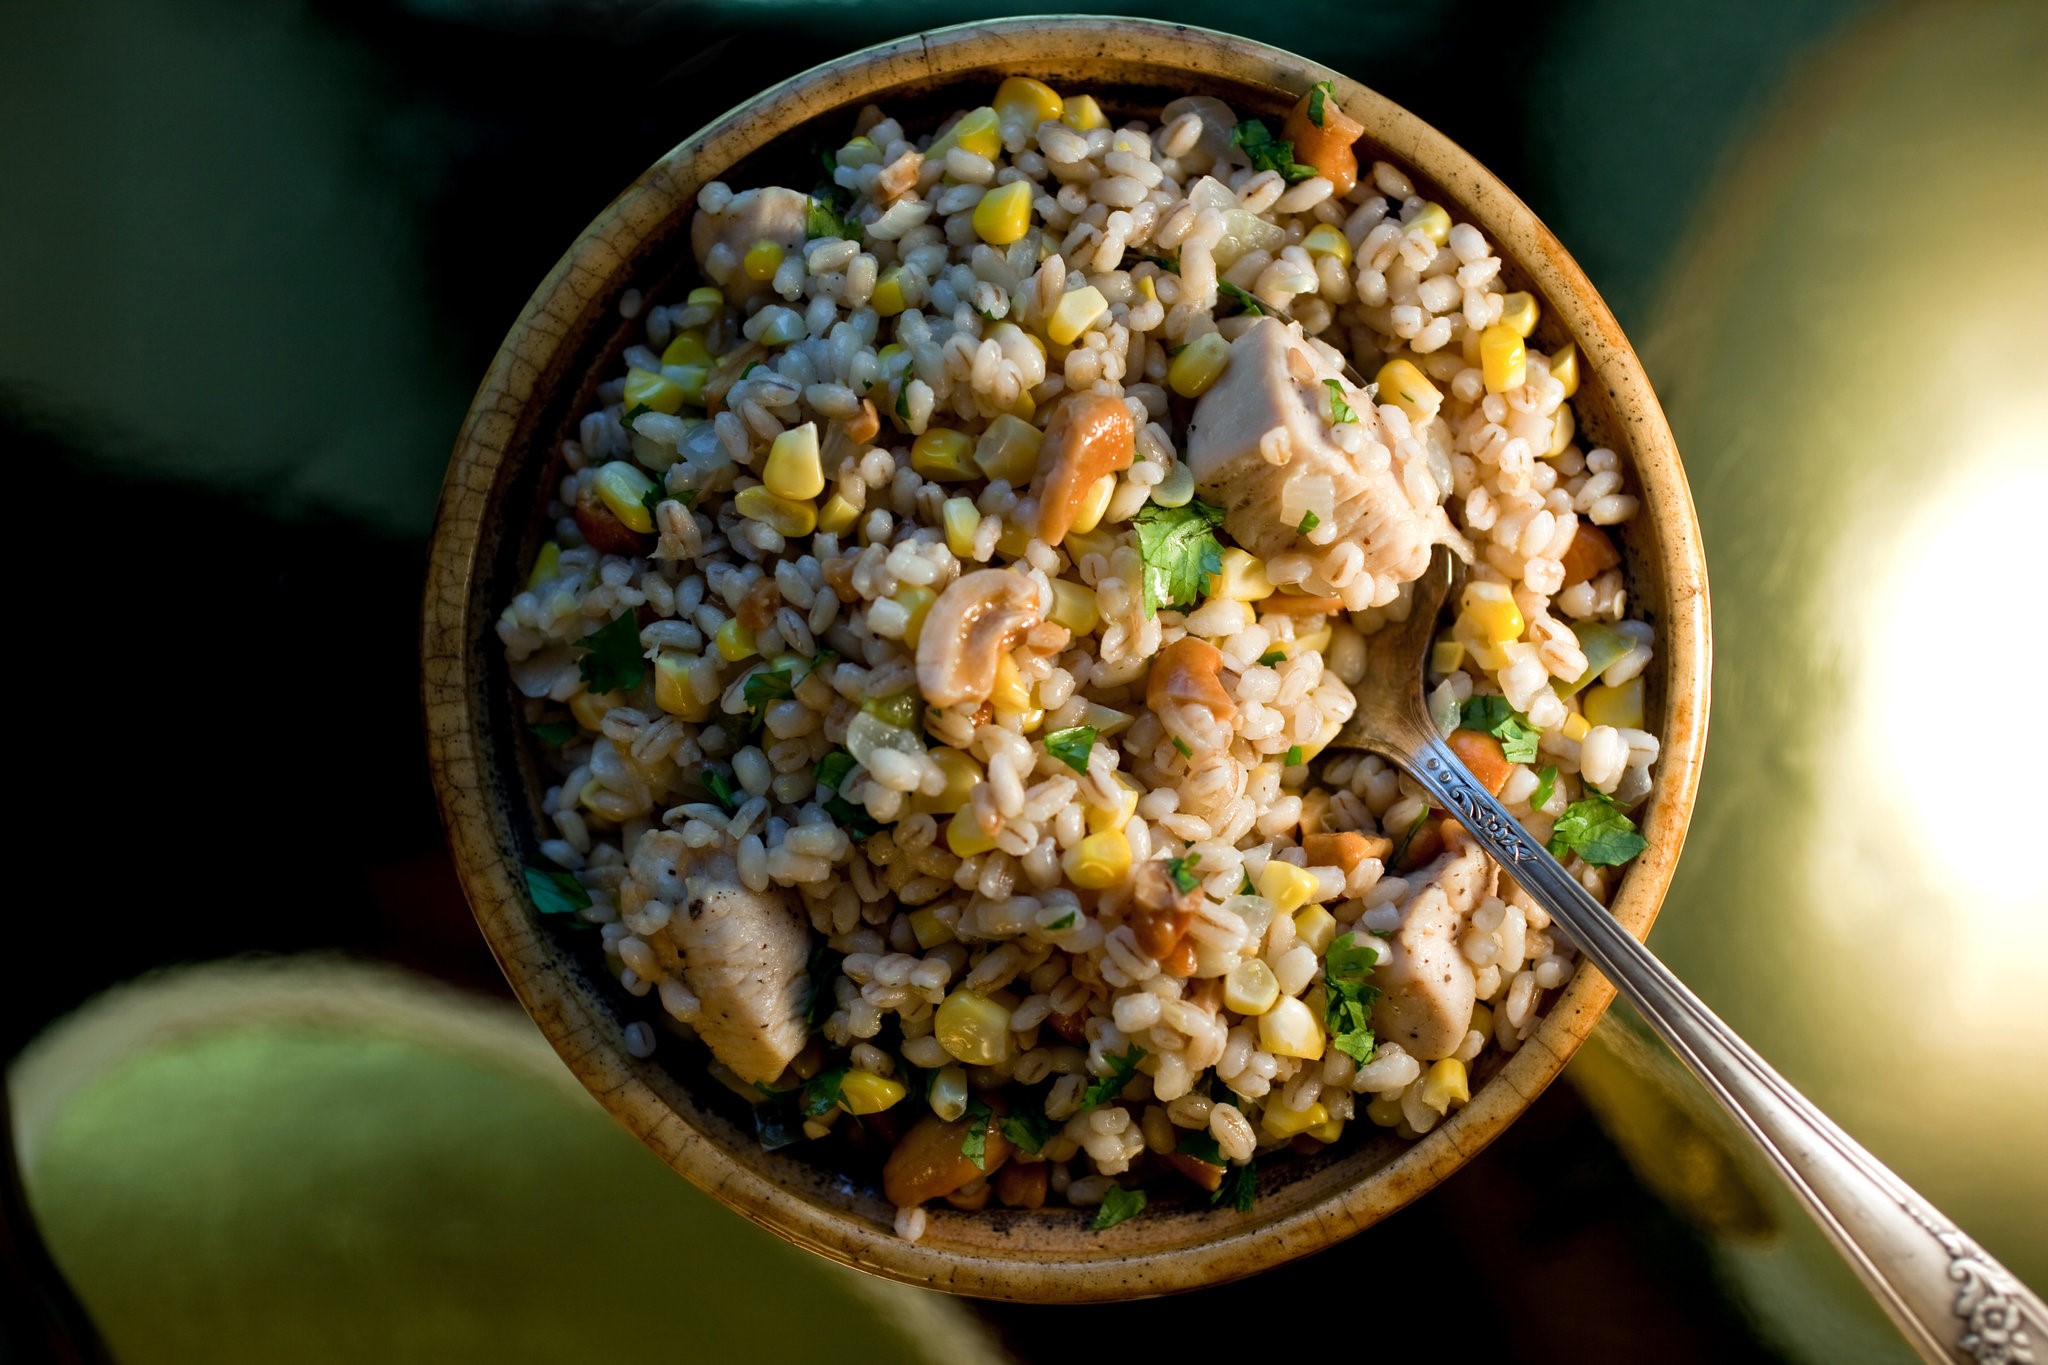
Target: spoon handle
[1950, 1299]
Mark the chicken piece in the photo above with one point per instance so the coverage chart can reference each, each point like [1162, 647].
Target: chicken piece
[743, 951]
[721, 240]
[1258, 444]
[1427, 992]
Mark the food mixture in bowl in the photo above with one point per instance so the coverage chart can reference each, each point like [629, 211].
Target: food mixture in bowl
[949, 604]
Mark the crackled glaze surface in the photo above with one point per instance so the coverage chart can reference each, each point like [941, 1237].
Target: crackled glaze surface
[487, 525]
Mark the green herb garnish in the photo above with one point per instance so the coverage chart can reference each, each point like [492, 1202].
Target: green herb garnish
[824, 219]
[1027, 1131]
[1198, 1144]
[1118, 1205]
[1340, 411]
[903, 398]
[1597, 831]
[1421, 819]
[1182, 745]
[630, 415]
[555, 732]
[1317, 94]
[1122, 1066]
[1167, 263]
[855, 820]
[653, 498]
[819, 970]
[974, 1145]
[834, 768]
[776, 1124]
[1180, 551]
[1293, 758]
[1273, 656]
[1065, 921]
[1247, 889]
[555, 892]
[1072, 745]
[1246, 304]
[1240, 1188]
[720, 785]
[770, 684]
[1347, 999]
[1182, 870]
[612, 660]
[1267, 154]
[1546, 783]
[1492, 715]
[1309, 521]
[821, 1092]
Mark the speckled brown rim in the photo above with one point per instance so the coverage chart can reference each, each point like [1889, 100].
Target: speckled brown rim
[486, 784]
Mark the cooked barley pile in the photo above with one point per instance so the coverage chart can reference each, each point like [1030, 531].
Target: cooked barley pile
[947, 607]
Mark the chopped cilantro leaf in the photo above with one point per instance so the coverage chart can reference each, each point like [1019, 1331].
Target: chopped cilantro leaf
[1546, 783]
[1246, 304]
[1347, 998]
[1597, 831]
[1170, 263]
[723, 791]
[1065, 921]
[1071, 746]
[1414, 829]
[1293, 759]
[834, 768]
[1240, 1188]
[687, 497]
[555, 892]
[1492, 715]
[1027, 1131]
[1180, 551]
[903, 398]
[974, 1145]
[1182, 745]
[1317, 94]
[653, 498]
[824, 219]
[1266, 154]
[1309, 522]
[855, 820]
[1273, 656]
[821, 1091]
[1247, 889]
[1340, 411]
[555, 732]
[627, 418]
[1198, 1144]
[612, 660]
[770, 684]
[1182, 870]
[1122, 1066]
[1118, 1205]
[1176, 350]
[819, 969]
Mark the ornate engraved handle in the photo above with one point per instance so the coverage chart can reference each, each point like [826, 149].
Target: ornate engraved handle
[1952, 1301]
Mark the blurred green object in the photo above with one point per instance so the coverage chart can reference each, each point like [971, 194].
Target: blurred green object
[314, 1161]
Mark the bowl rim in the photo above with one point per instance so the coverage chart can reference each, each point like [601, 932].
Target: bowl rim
[1124, 1262]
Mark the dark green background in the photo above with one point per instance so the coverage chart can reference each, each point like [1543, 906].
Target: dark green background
[254, 256]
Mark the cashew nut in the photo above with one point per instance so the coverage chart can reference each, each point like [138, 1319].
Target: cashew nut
[978, 619]
[1188, 673]
[1090, 436]
[1326, 145]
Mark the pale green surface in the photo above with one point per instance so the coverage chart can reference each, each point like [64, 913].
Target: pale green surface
[273, 1189]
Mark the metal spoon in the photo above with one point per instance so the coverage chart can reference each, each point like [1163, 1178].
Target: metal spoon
[1950, 1299]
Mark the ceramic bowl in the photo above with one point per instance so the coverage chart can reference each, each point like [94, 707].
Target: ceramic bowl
[570, 337]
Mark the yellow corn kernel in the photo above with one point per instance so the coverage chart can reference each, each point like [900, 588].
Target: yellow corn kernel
[1621, 707]
[1251, 988]
[973, 1028]
[623, 489]
[863, 1092]
[1013, 539]
[1519, 312]
[546, 565]
[1011, 693]
[1326, 239]
[929, 929]
[1315, 926]
[944, 455]
[1491, 609]
[1404, 385]
[1099, 861]
[1077, 311]
[1502, 359]
[1024, 103]
[1095, 542]
[706, 296]
[1433, 222]
[1287, 886]
[792, 470]
[589, 708]
[976, 131]
[672, 690]
[1074, 606]
[1384, 1111]
[687, 349]
[966, 838]
[1330, 731]
[948, 1093]
[1563, 427]
[887, 299]
[1291, 1029]
[1575, 727]
[1242, 579]
[837, 516]
[1482, 1019]
[1564, 367]
[1094, 503]
[735, 642]
[1317, 639]
[1147, 288]
[962, 775]
[1004, 214]
[1286, 1123]
[1083, 114]
[1105, 819]
[1008, 450]
[918, 602]
[1445, 1084]
[1199, 365]
[762, 260]
[1481, 650]
[1446, 656]
[790, 517]
[961, 519]
[650, 389]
